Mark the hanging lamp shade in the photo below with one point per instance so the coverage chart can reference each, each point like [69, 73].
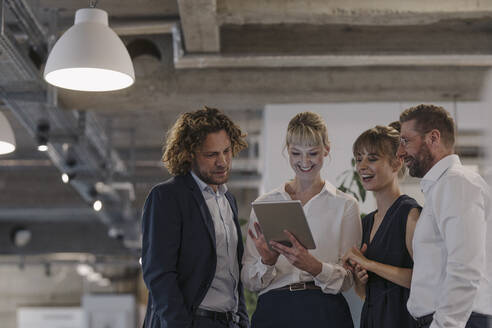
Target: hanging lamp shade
[7, 139]
[89, 56]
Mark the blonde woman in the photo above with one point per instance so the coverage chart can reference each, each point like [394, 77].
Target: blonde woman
[297, 287]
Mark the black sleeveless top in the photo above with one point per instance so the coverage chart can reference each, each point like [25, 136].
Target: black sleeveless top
[385, 305]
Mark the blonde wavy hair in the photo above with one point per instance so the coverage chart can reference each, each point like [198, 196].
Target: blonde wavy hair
[188, 134]
[307, 129]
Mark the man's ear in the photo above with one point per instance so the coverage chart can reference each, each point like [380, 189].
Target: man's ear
[434, 137]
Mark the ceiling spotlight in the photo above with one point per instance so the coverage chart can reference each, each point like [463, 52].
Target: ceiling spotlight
[20, 237]
[67, 177]
[97, 205]
[90, 56]
[43, 147]
[42, 134]
[84, 269]
[7, 139]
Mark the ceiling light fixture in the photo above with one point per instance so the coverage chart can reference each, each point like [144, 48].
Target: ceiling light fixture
[20, 236]
[97, 205]
[42, 135]
[84, 269]
[7, 139]
[67, 177]
[43, 146]
[90, 56]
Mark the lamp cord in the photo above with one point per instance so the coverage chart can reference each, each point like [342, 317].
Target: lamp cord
[92, 3]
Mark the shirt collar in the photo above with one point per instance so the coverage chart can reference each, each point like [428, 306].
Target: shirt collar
[328, 187]
[222, 189]
[438, 170]
[331, 189]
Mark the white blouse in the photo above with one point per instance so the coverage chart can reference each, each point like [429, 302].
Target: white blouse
[335, 223]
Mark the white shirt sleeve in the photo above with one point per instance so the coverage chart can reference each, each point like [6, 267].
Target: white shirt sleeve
[255, 275]
[460, 217]
[334, 278]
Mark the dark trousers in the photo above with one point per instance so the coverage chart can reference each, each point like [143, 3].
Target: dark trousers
[476, 320]
[301, 309]
[204, 322]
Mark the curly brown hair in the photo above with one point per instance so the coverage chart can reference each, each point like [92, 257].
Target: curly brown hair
[189, 132]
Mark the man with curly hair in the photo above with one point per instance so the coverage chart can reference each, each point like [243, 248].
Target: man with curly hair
[192, 245]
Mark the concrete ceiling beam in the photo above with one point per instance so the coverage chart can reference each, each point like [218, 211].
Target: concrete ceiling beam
[199, 25]
[378, 12]
[218, 61]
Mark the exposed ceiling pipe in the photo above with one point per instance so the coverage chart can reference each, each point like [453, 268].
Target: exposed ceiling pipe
[143, 27]
[30, 25]
[89, 141]
[182, 60]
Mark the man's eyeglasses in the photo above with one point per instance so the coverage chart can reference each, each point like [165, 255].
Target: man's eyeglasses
[404, 141]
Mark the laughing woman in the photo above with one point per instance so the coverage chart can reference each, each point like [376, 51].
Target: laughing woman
[315, 277]
[383, 266]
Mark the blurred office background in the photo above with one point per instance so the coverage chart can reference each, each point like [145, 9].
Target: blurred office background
[70, 212]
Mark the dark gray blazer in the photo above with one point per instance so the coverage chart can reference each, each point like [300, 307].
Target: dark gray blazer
[178, 253]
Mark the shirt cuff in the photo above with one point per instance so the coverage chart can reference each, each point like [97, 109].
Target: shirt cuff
[266, 272]
[331, 278]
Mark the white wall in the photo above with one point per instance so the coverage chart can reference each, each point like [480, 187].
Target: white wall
[31, 287]
[49, 317]
[109, 311]
[345, 121]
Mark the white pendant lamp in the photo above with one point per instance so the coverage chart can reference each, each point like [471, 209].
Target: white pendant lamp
[90, 56]
[7, 139]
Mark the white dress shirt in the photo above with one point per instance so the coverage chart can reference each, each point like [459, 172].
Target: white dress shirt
[334, 220]
[452, 246]
[222, 295]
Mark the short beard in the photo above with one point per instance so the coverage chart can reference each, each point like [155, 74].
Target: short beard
[208, 179]
[422, 162]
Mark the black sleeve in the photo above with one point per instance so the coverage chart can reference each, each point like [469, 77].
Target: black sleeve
[161, 229]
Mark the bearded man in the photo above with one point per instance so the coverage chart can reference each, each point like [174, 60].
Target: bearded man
[452, 244]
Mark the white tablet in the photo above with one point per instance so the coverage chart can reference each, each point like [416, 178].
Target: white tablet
[275, 217]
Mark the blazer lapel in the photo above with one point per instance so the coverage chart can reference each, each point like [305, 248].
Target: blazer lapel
[206, 216]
